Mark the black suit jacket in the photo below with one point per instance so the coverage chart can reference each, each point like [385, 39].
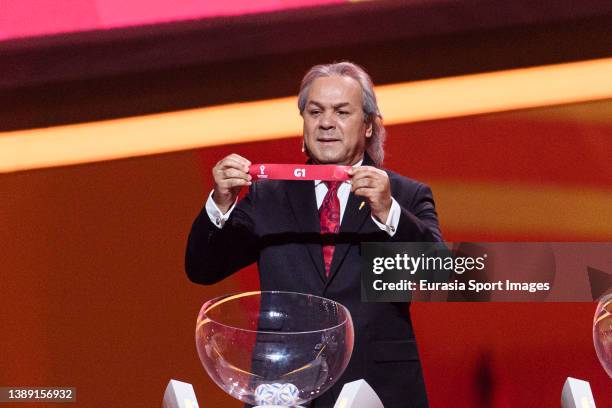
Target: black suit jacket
[277, 225]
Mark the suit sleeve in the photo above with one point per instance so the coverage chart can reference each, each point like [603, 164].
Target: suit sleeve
[418, 220]
[215, 253]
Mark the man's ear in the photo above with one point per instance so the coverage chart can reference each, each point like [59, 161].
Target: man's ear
[368, 132]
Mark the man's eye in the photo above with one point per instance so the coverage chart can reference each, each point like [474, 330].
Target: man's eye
[314, 112]
[343, 113]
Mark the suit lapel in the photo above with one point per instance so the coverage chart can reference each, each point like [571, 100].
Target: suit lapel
[352, 221]
[303, 202]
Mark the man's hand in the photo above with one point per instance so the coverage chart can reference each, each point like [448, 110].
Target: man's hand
[372, 184]
[230, 175]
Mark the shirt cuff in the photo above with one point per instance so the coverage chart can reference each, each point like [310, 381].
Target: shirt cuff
[215, 214]
[390, 226]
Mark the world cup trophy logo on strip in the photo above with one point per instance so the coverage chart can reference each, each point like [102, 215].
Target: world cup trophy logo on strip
[262, 172]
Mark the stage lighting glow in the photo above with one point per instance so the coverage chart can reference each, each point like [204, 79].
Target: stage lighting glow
[278, 118]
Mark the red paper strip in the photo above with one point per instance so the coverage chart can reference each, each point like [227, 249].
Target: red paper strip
[325, 172]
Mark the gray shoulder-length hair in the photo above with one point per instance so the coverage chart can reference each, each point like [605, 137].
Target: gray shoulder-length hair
[375, 144]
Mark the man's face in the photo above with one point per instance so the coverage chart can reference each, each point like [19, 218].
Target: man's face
[335, 131]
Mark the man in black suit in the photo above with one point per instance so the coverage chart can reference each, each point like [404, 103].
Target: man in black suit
[279, 225]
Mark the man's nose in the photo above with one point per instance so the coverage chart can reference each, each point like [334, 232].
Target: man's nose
[327, 121]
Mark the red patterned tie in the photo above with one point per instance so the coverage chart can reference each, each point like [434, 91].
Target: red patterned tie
[329, 215]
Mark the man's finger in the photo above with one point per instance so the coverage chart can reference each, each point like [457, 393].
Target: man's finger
[361, 183]
[240, 158]
[367, 174]
[232, 162]
[358, 178]
[357, 171]
[364, 192]
[243, 161]
[363, 170]
[234, 182]
[230, 173]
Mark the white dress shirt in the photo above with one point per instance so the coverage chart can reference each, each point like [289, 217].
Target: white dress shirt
[390, 226]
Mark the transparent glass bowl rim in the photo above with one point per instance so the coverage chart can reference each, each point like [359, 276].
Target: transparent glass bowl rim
[212, 303]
